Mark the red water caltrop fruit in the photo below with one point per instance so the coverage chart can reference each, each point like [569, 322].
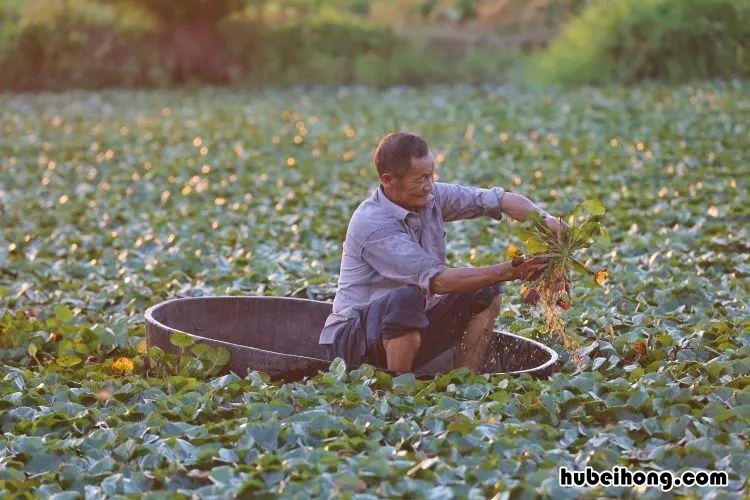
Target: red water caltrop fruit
[640, 347]
[563, 303]
[530, 295]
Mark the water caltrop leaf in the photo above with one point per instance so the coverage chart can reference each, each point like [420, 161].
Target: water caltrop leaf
[68, 360]
[181, 339]
[580, 268]
[338, 367]
[404, 383]
[202, 350]
[535, 245]
[220, 356]
[141, 347]
[115, 200]
[593, 207]
[63, 313]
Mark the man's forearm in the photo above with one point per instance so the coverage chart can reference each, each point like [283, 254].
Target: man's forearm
[468, 279]
[519, 207]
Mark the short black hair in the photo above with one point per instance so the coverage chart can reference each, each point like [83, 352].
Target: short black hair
[395, 152]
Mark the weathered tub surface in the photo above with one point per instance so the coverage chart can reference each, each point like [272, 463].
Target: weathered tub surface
[279, 336]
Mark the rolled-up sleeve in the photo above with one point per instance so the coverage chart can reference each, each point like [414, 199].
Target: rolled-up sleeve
[394, 255]
[465, 202]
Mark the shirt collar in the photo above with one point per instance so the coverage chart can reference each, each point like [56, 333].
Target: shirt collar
[397, 210]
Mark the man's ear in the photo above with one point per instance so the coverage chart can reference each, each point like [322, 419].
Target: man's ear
[387, 179]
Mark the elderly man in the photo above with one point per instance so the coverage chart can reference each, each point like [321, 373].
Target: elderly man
[397, 304]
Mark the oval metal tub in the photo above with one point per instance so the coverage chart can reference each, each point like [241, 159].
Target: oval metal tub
[279, 336]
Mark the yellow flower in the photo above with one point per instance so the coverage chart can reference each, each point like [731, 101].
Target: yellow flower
[122, 366]
[601, 276]
[512, 251]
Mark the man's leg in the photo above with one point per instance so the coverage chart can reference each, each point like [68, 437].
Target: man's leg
[400, 351]
[393, 325]
[476, 340]
[449, 319]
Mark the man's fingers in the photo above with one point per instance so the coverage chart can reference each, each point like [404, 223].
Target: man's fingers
[533, 266]
[533, 275]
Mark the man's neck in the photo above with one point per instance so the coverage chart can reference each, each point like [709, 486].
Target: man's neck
[390, 198]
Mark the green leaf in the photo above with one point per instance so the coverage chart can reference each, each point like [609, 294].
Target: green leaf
[524, 233]
[742, 411]
[63, 314]
[534, 219]
[588, 230]
[404, 383]
[181, 339]
[224, 381]
[580, 268]
[603, 241]
[338, 367]
[203, 351]
[155, 352]
[11, 474]
[592, 207]
[220, 356]
[222, 475]
[68, 360]
[535, 245]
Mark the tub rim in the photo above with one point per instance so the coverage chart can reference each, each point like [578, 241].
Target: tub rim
[149, 317]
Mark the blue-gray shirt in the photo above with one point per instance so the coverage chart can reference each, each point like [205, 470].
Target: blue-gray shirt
[387, 246]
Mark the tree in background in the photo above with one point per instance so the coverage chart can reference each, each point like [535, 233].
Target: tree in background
[189, 31]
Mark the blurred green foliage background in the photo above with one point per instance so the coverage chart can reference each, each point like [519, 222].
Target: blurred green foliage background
[61, 44]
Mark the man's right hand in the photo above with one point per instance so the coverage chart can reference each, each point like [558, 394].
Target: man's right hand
[531, 268]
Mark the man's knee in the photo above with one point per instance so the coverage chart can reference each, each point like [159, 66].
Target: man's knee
[486, 305]
[408, 342]
[408, 339]
[403, 311]
[408, 298]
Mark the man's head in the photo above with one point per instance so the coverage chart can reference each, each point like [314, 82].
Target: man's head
[406, 169]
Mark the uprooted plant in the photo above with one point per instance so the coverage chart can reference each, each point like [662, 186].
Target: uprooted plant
[552, 285]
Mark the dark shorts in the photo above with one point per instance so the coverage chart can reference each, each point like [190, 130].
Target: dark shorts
[402, 310]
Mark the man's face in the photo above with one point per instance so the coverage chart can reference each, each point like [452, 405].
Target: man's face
[413, 189]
